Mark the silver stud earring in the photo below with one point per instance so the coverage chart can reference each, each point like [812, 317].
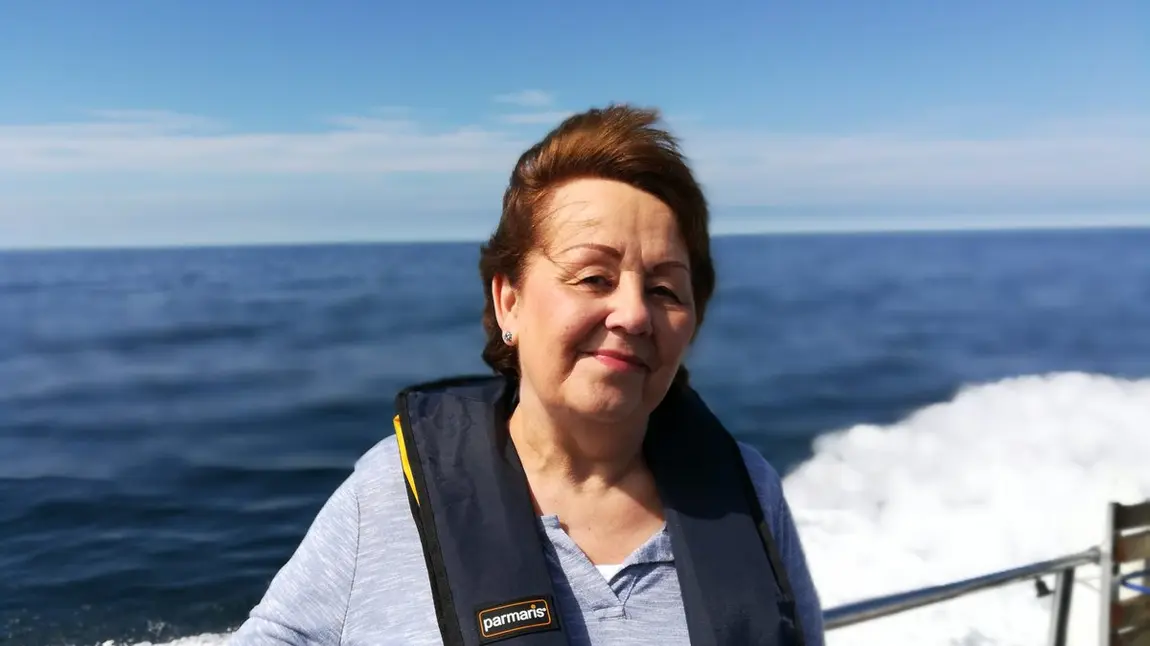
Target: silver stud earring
[507, 338]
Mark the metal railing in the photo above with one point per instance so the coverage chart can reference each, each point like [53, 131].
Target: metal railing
[1063, 568]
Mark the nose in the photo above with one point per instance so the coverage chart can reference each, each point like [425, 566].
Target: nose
[630, 311]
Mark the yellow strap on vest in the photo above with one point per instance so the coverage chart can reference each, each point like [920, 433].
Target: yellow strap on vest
[403, 459]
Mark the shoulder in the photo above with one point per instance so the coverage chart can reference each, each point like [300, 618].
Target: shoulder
[378, 469]
[307, 598]
[769, 489]
[380, 490]
[767, 482]
[361, 543]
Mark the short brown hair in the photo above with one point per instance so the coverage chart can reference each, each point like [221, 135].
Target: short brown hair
[621, 143]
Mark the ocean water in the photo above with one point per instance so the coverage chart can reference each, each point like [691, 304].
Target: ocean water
[942, 405]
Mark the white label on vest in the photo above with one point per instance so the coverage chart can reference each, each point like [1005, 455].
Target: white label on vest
[505, 620]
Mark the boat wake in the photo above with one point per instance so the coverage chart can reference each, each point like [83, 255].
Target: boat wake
[1004, 474]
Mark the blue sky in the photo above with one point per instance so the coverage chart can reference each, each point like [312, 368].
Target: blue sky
[127, 123]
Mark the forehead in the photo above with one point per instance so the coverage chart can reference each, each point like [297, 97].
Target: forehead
[596, 211]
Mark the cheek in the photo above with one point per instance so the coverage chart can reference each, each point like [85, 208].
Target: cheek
[563, 320]
[676, 331]
[576, 324]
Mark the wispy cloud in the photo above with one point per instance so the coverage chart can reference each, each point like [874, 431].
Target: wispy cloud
[151, 142]
[527, 98]
[1084, 159]
[159, 119]
[1096, 159]
[536, 118]
[536, 107]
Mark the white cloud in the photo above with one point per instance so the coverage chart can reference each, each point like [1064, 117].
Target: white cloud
[548, 117]
[182, 143]
[1094, 159]
[158, 119]
[527, 98]
[1103, 159]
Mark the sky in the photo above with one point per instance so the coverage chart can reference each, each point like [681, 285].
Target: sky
[220, 122]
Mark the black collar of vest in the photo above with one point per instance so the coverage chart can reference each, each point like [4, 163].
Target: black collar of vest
[485, 551]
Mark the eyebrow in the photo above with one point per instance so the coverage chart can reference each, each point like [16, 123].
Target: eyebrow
[618, 255]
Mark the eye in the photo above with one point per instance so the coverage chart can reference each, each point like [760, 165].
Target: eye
[666, 291]
[595, 281]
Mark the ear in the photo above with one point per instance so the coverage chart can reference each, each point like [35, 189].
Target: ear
[506, 300]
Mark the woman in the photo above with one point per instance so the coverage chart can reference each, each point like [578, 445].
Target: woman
[585, 494]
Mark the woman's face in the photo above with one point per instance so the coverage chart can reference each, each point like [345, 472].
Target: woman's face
[604, 313]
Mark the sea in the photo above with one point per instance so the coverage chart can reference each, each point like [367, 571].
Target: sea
[940, 405]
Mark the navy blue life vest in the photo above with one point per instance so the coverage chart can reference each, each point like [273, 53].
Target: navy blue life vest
[484, 552]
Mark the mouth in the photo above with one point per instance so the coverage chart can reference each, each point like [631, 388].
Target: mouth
[619, 360]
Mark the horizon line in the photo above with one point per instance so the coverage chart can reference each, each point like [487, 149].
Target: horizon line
[827, 231]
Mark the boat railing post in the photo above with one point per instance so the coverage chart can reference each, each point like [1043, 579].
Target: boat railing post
[1060, 607]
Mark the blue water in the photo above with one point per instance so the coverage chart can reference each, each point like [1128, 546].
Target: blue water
[171, 420]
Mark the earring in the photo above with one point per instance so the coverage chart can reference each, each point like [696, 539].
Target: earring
[507, 337]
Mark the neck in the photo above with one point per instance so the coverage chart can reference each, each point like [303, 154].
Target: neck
[585, 453]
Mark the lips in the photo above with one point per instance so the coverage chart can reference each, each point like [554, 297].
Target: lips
[624, 357]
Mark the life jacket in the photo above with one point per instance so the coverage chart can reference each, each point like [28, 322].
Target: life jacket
[484, 551]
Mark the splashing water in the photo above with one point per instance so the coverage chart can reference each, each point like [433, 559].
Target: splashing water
[1004, 474]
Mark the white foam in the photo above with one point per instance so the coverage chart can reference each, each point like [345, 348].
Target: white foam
[206, 639]
[1004, 474]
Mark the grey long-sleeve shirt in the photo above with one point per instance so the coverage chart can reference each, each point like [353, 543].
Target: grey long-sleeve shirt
[359, 577]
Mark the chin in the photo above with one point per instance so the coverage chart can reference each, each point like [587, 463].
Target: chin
[608, 400]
